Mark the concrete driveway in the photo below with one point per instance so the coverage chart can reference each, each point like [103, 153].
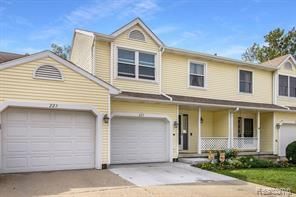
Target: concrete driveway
[173, 179]
[166, 173]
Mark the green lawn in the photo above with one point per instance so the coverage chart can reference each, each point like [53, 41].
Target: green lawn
[273, 177]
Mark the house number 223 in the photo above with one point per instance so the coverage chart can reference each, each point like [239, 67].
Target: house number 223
[53, 105]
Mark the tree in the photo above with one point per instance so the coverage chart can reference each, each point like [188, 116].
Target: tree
[276, 43]
[62, 51]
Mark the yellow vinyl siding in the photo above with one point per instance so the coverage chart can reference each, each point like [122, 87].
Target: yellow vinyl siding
[266, 132]
[103, 60]
[222, 80]
[81, 53]
[168, 110]
[17, 83]
[149, 45]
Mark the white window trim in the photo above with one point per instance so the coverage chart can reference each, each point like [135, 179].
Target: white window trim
[205, 75]
[137, 39]
[47, 78]
[137, 51]
[278, 84]
[238, 81]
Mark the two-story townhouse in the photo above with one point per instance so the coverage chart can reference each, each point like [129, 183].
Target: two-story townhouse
[128, 98]
[176, 101]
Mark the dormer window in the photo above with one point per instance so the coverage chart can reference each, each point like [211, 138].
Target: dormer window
[135, 64]
[136, 35]
[48, 72]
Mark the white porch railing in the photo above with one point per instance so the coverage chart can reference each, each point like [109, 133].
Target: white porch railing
[222, 143]
[214, 143]
[245, 143]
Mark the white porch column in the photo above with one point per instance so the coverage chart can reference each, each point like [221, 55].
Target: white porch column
[199, 131]
[230, 129]
[258, 131]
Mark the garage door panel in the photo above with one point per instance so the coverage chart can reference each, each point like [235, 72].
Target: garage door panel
[15, 162]
[39, 131]
[41, 116]
[14, 131]
[138, 140]
[47, 140]
[15, 147]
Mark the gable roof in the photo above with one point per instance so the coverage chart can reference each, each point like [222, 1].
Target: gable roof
[72, 66]
[6, 56]
[111, 37]
[138, 21]
[278, 61]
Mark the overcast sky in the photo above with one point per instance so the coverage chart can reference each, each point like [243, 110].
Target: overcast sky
[225, 27]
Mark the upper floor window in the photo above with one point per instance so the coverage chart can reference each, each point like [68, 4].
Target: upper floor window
[287, 86]
[126, 63]
[136, 35]
[48, 72]
[245, 81]
[135, 64]
[197, 74]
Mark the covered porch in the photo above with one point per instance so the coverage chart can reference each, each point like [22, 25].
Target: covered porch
[202, 129]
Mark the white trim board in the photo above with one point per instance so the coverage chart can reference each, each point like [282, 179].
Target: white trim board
[45, 54]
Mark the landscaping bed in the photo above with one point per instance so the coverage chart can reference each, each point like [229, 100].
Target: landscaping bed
[278, 174]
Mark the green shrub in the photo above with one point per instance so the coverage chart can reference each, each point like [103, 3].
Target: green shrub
[231, 153]
[291, 152]
[252, 162]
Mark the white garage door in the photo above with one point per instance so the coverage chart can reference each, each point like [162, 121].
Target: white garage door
[287, 135]
[139, 140]
[43, 140]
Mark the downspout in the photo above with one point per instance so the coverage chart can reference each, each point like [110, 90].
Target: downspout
[164, 94]
[93, 54]
[161, 50]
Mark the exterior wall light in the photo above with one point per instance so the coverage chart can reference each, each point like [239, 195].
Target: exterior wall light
[106, 118]
[176, 124]
[201, 120]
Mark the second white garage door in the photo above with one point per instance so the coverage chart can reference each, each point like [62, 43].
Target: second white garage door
[139, 140]
[287, 135]
[43, 140]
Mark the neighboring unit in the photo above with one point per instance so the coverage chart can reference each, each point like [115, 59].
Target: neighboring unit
[132, 99]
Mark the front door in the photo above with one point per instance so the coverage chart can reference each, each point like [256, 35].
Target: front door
[183, 132]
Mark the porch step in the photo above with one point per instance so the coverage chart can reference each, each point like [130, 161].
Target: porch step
[193, 155]
[193, 161]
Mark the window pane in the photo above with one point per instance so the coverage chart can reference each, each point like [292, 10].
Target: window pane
[283, 85]
[196, 69]
[126, 56]
[292, 86]
[248, 127]
[146, 72]
[245, 78]
[197, 80]
[146, 59]
[126, 70]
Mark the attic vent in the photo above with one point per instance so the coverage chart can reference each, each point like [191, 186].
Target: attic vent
[136, 35]
[48, 72]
